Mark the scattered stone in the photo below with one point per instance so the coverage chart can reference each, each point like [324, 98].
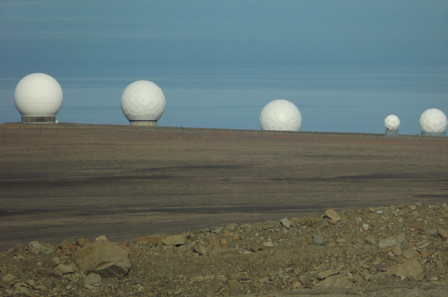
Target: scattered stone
[269, 225]
[174, 240]
[93, 279]
[263, 258]
[40, 288]
[200, 249]
[416, 226]
[21, 291]
[431, 232]
[82, 242]
[332, 215]
[230, 227]
[387, 243]
[62, 269]
[408, 269]
[319, 240]
[55, 261]
[46, 249]
[400, 238]
[8, 280]
[217, 229]
[370, 239]
[34, 247]
[152, 240]
[397, 250]
[327, 273]
[442, 233]
[336, 281]
[410, 254]
[105, 258]
[286, 223]
[268, 244]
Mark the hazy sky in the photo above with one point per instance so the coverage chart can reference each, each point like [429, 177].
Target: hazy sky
[346, 46]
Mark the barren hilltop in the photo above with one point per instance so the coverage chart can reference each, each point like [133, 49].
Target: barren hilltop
[199, 212]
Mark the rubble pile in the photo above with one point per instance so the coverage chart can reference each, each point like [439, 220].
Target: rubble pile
[375, 252]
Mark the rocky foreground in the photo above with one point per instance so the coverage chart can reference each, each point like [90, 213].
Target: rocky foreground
[386, 251]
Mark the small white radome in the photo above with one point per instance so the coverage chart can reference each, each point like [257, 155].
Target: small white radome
[280, 115]
[38, 94]
[433, 121]
[392, 122]
[143, 101]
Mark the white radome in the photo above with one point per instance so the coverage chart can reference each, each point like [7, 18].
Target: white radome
[280, 115]
[433, 120]
[392, 122]
[143, 101]
[38, 94]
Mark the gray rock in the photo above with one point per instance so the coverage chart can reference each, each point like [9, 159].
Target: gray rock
[217, 229]
[387, 243]
[319, 240]
[432, 232]
[285, 222]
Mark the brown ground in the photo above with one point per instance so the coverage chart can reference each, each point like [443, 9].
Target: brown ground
[66, 181]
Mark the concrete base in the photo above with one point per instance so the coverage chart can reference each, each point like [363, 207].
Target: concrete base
[443, 134]
[143, 123]
[392, 132]
[38, 119]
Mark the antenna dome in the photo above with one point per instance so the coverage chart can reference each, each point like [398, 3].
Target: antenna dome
[38, 95]
[143, 101]
[280, 115]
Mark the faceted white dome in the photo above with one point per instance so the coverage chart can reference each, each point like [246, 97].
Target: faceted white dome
[433, 120]
[38, 94]
[280, 115]
[143, 101]
[392, 122]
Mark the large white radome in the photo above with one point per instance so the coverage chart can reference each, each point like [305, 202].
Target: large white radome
[392, 122]
[38, 94]
[433, 120]
[143, 101]
[280, 115]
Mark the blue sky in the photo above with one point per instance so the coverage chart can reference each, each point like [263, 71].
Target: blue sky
[233, 54]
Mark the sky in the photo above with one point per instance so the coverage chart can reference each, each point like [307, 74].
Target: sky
[346, 64]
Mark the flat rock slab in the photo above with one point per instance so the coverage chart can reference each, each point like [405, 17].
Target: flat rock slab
[104, 258]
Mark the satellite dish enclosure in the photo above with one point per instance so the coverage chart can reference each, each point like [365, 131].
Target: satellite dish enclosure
[433, 122]
[38, 97]
[392, 123]
[143, 103]
[280, 115]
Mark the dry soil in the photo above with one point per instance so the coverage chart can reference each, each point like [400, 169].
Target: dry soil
[68, 181]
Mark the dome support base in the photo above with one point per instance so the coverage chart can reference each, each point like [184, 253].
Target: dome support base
[443, 134]
[392, 132]
[143, 123]
[38, 119]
